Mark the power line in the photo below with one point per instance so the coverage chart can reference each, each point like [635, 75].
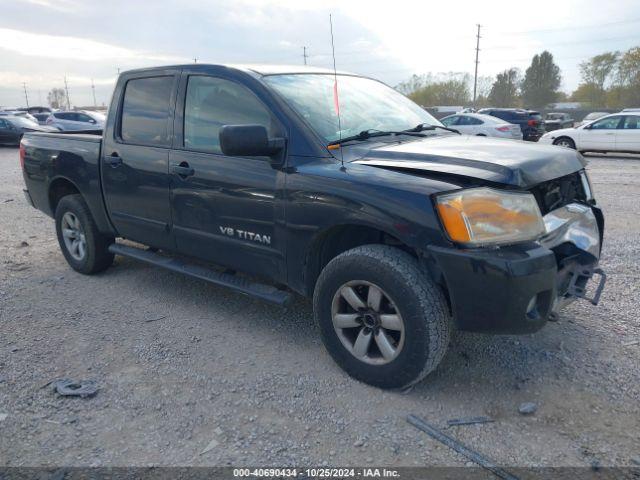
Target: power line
[576, 42]
[579, 27]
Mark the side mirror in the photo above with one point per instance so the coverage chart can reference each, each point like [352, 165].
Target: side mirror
[92, 121]
[248, 141]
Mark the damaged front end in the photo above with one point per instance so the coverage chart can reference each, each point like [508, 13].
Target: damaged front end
[575, 227]
[574, 234]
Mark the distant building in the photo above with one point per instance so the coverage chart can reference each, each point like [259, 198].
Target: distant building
[565, 105]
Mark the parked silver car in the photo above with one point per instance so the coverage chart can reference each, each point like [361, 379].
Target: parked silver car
[80, 120]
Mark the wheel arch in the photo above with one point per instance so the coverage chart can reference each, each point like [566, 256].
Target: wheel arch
[567, 137]
[336, 239]
[58, 188]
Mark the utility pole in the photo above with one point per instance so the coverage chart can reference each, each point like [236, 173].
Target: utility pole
[26, 97]
[66, 89]
[475, 77]
[195, 59]
[304, 54]
[93, 89]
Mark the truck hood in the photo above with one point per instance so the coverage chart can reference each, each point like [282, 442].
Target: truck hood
[510, 162]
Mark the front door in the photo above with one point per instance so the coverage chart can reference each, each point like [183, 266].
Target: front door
[601, 135]
[628, 139]
[135, 161]
[224, 209]
[6, 133]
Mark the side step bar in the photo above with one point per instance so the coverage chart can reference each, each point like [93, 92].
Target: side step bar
[239, 284]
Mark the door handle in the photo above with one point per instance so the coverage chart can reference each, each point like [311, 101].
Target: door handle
[183, 170]
[113, 160]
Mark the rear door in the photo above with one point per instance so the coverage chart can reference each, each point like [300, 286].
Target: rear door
[135, 159]
[628, 135]
[601, 135]
[225, 209]
[5, 131]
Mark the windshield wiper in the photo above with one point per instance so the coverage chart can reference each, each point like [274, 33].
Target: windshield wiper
[367, 134]
[427, 126]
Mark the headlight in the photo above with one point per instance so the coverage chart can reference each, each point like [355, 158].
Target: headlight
[484, 216]
[586, 185]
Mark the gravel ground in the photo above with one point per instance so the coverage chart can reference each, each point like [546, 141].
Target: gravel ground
[183, 366]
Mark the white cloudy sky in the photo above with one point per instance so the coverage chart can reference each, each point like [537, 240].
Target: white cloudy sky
[41, 41]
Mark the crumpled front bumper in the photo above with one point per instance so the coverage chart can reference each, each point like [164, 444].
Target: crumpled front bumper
[517, 289]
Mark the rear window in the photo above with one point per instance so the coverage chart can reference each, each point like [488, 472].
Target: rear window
[145, 111]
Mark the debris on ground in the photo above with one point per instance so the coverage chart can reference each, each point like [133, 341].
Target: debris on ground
[527, 408]
[71, 388]
[452, 443]
[212, 444]
[23, 244]
[149, 320]
[468, 421]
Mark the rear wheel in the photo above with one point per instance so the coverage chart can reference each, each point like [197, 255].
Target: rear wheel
[83, 246]
[381, 318]
[565, 142]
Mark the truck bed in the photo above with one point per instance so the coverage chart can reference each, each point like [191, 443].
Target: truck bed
[64, 161]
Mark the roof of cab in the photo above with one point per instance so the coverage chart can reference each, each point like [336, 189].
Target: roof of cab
[256, 69]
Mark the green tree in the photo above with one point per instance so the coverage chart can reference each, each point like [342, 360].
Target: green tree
[504, 91]
[541, 81]
[451, 90]
[414, 83]
[57, 98]
[629, 77]
[596, 73]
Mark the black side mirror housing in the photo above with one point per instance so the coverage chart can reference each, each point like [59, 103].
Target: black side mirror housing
[248, 141]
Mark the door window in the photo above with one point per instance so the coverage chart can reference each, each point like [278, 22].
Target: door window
[146, 111]
[3, 124]
[465, 120]
[212, 103]
[631, 122]
[609, 123]
[82, 117]
[449, 121]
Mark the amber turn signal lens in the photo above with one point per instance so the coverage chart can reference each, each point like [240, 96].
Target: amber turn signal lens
[484, 216]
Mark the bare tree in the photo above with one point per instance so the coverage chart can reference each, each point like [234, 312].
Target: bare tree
[57, 98]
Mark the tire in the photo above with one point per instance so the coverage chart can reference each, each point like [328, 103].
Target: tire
[73, 215]
[481, 135]
[565, 142]
[421, 342]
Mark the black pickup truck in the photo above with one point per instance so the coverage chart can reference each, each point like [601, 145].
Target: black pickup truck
[281, 180]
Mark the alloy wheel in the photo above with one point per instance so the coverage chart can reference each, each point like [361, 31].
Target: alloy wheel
[367, 322]
[73, 235]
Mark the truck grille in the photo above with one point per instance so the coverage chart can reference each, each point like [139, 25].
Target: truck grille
[559, 192]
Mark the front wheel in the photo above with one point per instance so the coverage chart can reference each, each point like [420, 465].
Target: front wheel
[83, 246]
[565, 142]
[381, 318]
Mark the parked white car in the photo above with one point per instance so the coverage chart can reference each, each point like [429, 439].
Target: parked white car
[482, 125]
[618, 132]
[80, 120]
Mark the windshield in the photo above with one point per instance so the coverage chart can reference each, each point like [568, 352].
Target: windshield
[364, 104]
[21, 122]
[554, 116]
